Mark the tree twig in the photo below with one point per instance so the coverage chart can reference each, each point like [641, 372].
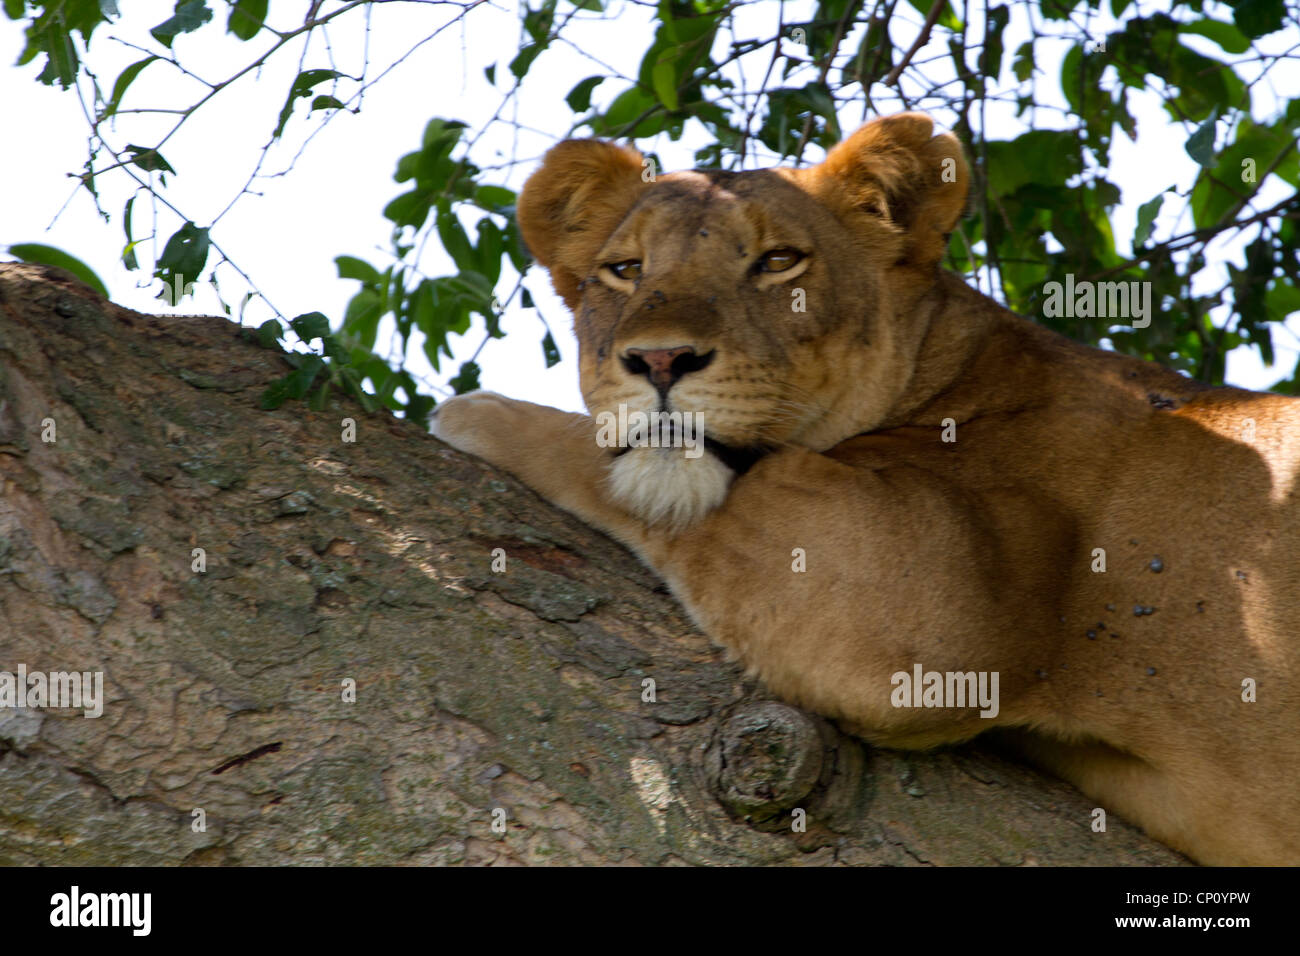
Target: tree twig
[921, 40]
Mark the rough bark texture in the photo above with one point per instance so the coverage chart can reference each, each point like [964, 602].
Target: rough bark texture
[371, 560]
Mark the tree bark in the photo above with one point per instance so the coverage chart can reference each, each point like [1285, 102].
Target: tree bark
[477, 691]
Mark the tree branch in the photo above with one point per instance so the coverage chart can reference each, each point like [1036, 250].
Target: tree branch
[347, 678]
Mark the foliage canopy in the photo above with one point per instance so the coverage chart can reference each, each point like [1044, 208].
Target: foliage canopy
[1042, 202]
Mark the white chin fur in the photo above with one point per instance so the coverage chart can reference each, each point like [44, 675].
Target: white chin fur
[663, 486]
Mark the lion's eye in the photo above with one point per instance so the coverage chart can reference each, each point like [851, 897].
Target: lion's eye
[629, 270]
[780, 260]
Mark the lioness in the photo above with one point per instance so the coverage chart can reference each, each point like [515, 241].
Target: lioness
[898, 475]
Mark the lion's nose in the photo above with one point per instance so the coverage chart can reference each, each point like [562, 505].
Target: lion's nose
[663, 367]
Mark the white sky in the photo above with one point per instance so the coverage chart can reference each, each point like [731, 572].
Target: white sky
[330, 203]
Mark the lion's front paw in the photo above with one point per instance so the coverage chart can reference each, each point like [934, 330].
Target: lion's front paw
[555, 453]
[483, 424]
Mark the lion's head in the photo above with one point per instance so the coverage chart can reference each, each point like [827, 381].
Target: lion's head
[764, 303]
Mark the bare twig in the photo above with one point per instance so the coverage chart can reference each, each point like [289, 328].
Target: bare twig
[922, 39]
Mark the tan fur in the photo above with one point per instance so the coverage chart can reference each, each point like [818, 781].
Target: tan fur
[974, 555]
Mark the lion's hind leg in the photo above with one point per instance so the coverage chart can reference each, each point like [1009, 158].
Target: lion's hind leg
[1120, 783]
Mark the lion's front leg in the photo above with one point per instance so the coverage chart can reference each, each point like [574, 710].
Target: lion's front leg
[553, 452]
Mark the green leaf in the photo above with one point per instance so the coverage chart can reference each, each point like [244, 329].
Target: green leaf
[454, 240]
[182, 259]
[128, 254]
[627, 108]
[473, 286]
[326, 102]
[990, 58]
[1204, 84]
[418, 408]
[55, 42]
[334, 349]
[310, 325]
[494, 198]
[579, 98]
[491, 243]
[39, 254]
[537, 23]
[1023, 64]
[269, 334]
[491, 73]
[947, 18]
[663, 78]
[386, 382]
[50, 33]
[1221, 187]
[1225, 35]
[1080, 78]
[408, 209]
[524, 59]
[440, 136]
[61, 58]
[246, 18]
[519, 255]
[788, 111]
[1200, 145]
[15, 9]
[1146, 218]
[189, 16]
[125, 79]
[431, 350]
[425, 316]
[301, 87]
[362, 316]
[149, 159]
[875, 56]
[819, 98]
[1039, 157]
[350, 267]
[299, 381]
[1256, 18]
[1282, 302]
[466, 380]
[320, 398]
[275, 394]
[550, 351]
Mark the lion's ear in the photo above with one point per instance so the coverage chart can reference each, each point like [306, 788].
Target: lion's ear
[573, 203]
[895, 168]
